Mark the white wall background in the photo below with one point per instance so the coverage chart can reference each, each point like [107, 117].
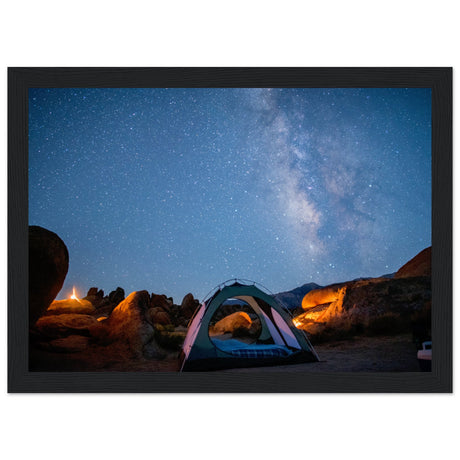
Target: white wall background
[239, 33]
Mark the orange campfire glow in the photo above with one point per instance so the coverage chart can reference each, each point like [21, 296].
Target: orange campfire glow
[74, 295]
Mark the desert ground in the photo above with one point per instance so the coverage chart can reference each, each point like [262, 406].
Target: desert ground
[359, 354]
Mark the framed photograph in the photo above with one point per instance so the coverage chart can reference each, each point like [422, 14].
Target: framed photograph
[225, 230]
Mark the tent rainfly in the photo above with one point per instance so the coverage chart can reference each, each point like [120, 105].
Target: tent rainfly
[279, 342]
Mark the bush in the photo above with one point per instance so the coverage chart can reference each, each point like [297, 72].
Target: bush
[387, 324]
[167, 338]
[338, 329]
[163, 327]
[335, 331]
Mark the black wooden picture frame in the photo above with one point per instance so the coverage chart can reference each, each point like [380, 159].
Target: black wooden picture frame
[439, 380]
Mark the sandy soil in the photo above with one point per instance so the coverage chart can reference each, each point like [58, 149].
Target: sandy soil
[98, 359]
[361, 354]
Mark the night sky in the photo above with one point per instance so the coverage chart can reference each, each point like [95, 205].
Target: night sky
[178, 190]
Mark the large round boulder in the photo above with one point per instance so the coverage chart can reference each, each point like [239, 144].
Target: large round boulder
[188, 306]
[127, 324]
[48, 266]
[160, 301]
[157, 315]
[231, 323]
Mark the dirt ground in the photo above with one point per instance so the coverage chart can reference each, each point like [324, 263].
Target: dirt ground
[360, 354]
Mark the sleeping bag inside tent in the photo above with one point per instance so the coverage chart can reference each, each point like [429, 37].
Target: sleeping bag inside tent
[272, 338]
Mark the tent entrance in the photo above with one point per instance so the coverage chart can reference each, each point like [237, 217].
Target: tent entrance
[236, 319]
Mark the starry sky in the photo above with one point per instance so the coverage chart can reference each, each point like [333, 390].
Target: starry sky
[176, 190]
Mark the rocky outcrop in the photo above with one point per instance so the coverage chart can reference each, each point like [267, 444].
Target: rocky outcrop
[104, 305]
[117, 296]
[105, 308]
[93, 291]
[160, 301]
[188, 306]
[70, 344]
[48, 265]
[321, 296]
[420, 265]
[121, 341]
[400, 296]
[231, 323]
[56, 326]
[127, 325]
[97, 332]
[95, 296]
[69, 306]
[368, 302]
[325, 311]
[157, 315]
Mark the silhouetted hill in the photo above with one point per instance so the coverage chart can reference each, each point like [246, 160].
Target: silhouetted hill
[293, 299]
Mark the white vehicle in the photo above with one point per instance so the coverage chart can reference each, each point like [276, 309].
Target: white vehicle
[424, 357]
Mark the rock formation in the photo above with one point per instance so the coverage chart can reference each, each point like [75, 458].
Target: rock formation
[48, 265]
[59, 307]
[127, 323]
[157, 315]
[188, 306]
[104, 305]
[84, 343]
[420, 265]
[96, 332]
[364, 303]
[321, 296]
[95, 296]
[56, 326]
[69, 344]
[117, 296]
[111, 332]
[237, 320]
[160, 301]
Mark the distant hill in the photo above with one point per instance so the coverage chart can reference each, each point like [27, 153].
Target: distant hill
[293, 299]
[388, 275]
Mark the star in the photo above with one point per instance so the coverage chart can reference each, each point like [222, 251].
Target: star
[177, 189]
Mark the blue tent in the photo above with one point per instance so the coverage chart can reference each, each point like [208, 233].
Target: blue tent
[279, 342]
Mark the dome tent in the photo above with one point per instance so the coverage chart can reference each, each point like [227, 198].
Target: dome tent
[279, 341]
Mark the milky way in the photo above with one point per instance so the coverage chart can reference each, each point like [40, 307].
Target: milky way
[177, 190]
